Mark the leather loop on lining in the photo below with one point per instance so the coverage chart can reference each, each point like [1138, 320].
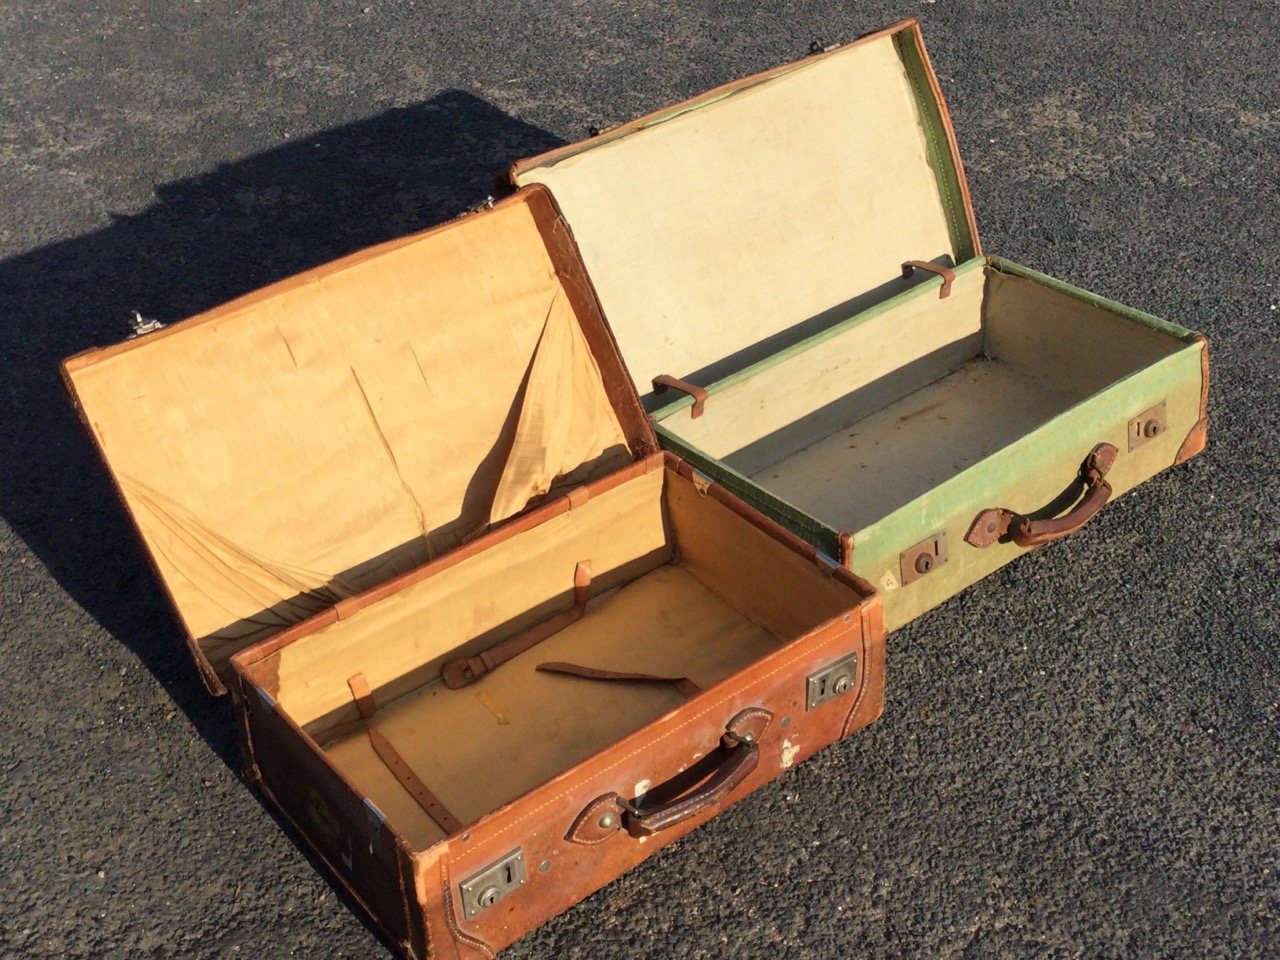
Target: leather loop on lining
[699, 395]
[948, 276]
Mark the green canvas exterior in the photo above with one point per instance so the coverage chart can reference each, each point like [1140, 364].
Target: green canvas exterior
[1023, 476]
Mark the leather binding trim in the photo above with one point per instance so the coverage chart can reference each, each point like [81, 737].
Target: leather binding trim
[948, 276]
[684, 686]
[457, 674]
[578, 287]
[577, 497]
[1198, 437]
[935, 119]
[699, 395]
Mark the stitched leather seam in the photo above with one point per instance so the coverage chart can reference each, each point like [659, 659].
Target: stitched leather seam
[451, 919]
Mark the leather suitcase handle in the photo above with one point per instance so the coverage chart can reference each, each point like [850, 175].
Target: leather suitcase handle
[1028, 530]
[742, 756]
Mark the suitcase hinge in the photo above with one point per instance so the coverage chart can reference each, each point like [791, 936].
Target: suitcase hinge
[485, 204]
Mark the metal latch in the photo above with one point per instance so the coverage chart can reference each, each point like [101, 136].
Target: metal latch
[483, 889]
[1147, 425]
[140, 325]
[923, 558]
[831, 681]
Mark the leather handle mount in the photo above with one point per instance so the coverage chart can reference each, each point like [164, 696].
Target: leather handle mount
[693, 791]
[1089, 492]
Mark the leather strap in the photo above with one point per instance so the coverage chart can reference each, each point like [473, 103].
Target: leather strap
[399, 768]
[948, 276]
[427, 800]
[466, 670]
[684, 686]
[684, 386]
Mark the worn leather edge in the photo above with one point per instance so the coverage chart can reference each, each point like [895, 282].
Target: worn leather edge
[933, 110]
[1198, 437]
[461, 937]
[567, 259]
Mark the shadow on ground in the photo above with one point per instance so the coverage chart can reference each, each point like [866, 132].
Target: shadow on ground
[205, 241]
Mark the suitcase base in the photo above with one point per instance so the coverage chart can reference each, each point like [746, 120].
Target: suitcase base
[711, 651]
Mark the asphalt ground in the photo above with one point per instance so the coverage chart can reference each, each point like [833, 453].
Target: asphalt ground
[1080, 756]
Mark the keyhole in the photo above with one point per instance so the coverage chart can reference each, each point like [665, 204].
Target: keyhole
[924, 563]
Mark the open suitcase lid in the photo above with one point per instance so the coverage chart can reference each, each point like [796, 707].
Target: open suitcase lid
[318, 437]
[710, 228]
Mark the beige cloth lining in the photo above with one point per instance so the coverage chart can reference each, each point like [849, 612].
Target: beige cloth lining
[315, 438]
[473, 605]
[710, 231]
[835, 382]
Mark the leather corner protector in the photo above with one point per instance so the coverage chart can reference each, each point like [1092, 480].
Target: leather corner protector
[1195, 443]
[601, 819]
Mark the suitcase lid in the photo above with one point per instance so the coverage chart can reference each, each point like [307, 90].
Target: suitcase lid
[311, 440]
[715, 225]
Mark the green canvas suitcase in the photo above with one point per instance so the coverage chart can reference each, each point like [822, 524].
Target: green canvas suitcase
[791, 268]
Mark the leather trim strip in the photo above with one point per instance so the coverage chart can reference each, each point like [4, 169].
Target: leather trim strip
[1198, 436]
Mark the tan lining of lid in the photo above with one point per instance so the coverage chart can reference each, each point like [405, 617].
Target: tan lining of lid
[313, 439]
[755, 211]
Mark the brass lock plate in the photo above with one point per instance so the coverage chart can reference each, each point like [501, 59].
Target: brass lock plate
[1147, 425]
[483, 889]
[831, 681]
[923, 558]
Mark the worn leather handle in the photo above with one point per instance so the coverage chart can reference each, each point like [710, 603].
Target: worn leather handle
[742, 756]
[1031, 530]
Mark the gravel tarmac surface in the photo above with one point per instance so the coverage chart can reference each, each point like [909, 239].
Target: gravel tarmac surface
[1080, 756]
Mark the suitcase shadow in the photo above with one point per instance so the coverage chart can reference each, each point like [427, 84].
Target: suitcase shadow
[204, 241]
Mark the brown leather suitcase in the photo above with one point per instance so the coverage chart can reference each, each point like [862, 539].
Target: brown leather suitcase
[489, 647]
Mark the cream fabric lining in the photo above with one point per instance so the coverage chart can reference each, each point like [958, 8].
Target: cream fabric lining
[311, 440]
[400, 642]
[710, 231]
